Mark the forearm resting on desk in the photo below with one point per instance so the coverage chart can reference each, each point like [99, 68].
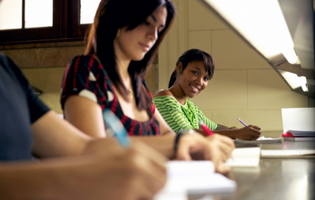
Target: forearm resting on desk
[44, 180]
[222, 130]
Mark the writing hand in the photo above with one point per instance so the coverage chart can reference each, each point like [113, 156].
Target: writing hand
[135, 173]
[249, 132]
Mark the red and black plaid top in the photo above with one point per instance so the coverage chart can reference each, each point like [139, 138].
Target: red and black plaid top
[85, 76]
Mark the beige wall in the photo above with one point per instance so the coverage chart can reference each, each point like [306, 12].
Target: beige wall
[44, 65]
[244, 85]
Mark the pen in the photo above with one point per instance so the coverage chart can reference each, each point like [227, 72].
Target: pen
[119, 130]
[205, 129]
[241, 121]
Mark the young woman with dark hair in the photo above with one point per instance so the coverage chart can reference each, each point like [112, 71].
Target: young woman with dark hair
[122, 41]
[193, 71]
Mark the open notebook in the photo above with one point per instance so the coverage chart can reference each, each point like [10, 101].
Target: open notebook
[194, 177]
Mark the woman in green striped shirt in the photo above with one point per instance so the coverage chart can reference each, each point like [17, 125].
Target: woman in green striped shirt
[193, 71]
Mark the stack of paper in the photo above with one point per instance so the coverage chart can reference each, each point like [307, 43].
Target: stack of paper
[287, 153]
[194, 177]
[260, 140]
[244, 157]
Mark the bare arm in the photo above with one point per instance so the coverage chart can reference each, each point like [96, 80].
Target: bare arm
[136, 173]
[249, 132]
[86, 115]
[54, 136]
[222, 127]
[165, 144]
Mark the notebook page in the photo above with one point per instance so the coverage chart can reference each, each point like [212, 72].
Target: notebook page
[260, 140]
[244, 157]
[195, 177]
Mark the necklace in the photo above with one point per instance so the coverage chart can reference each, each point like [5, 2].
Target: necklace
[130, 95]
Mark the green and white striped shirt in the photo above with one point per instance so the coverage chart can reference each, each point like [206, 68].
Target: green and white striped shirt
[181, 117]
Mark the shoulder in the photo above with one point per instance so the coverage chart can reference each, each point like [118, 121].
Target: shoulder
[166, 101]
[11, 69]
[163, 92]
[83, 60]
[3, 57]
[7, 63]
[82, 65]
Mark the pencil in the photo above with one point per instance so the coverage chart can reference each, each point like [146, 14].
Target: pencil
[241, 121]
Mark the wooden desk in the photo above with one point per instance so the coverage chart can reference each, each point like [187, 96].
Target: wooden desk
[275, 178]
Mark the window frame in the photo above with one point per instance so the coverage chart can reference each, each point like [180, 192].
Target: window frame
[66, 27]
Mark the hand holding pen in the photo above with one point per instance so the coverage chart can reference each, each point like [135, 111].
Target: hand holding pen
[222, 148]
[249, 132]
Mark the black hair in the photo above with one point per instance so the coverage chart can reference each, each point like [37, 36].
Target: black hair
[190, 56]
[112, 15]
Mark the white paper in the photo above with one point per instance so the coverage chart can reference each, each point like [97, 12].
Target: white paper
[195, 177]
[245, 157]
[298, 119]
[260, 140]
[174, 195]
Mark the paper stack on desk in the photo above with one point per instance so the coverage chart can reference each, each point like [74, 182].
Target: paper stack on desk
[260, 140]
[194, 177]
[245, 157]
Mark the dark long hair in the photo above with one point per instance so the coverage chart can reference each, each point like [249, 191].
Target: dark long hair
[190, 56]
[112, 15]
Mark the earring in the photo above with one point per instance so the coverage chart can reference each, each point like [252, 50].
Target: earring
[118, 33]
[178, 71]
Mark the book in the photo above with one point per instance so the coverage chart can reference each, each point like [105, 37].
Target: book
[194, 177]
[244, 157]
[260, 140]
[297, 135]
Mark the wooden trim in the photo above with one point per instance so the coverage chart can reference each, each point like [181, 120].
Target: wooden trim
[36, 44]
[65, 27]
